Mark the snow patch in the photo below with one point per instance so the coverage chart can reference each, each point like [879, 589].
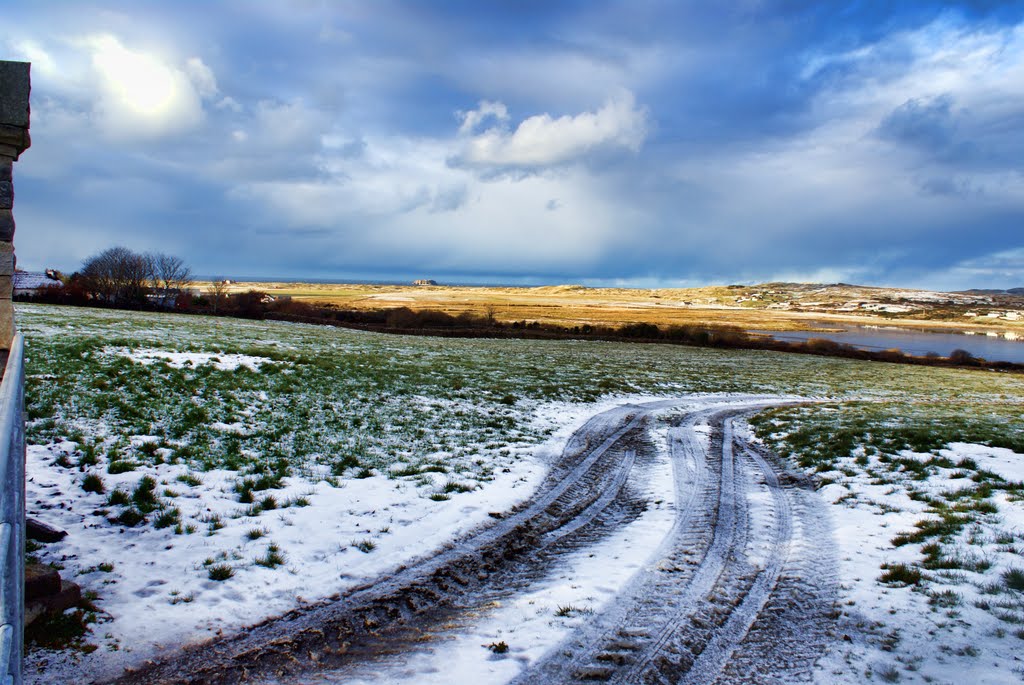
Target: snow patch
[178, 360]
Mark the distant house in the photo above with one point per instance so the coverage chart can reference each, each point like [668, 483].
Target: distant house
[165, 300]
[424, 281]
[33, 283]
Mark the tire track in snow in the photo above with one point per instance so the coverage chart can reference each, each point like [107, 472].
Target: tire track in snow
[675, 624]
[721, 647]
[628, 637]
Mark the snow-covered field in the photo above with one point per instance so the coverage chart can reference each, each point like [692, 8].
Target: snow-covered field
[931, 546]
[963, 616]
[155, 586]
[300, 461]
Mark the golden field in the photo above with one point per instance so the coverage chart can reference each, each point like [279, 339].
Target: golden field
[773, 306]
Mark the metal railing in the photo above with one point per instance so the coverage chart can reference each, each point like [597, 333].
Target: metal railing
[12, 514]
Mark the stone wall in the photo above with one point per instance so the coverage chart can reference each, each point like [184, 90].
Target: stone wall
[14, 139]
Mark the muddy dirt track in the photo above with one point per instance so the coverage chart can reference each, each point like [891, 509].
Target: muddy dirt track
[735, 593]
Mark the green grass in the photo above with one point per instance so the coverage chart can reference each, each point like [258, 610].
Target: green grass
[454, 486]
[336, 405]
[68, 629]
[329, 400]
[121, 466]
[823, 438]
[821, 435]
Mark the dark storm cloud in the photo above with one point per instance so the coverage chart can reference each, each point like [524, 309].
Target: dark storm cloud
[925, 123]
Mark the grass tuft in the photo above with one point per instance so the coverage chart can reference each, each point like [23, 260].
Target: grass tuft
[220, 572]
[93, 483]
[121, 466]
[365, 545]
[1013, 579]
[130, 517]
[167, 517]
[273, 558]
[946, 599]
[144, 496]
[190, 479]
[900, 574]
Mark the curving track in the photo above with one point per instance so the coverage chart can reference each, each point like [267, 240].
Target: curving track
[717, 602]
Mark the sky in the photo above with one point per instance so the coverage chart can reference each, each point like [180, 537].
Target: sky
[640, 143]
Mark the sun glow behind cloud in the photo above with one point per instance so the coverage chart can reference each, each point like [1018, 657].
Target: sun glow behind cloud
[126, 93]
[139, 82]
[140, 95]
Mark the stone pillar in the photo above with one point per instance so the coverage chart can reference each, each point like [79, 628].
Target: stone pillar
[14, 139]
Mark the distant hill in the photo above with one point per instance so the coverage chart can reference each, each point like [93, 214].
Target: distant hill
[987, 291]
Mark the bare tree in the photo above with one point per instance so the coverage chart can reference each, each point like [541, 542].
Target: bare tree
[169, 273]
[98, 275]
[218, 290]
[118, 275]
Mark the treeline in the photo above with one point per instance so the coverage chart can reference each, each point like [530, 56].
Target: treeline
[255, 304]
[121, 277]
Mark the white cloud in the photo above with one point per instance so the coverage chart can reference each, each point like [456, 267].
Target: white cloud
[228, 102]
[202, 77]
[542, 140]
[486, 110]
[31, 51]
[57, 69]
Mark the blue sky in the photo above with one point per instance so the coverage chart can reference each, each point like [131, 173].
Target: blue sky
[609, 143]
